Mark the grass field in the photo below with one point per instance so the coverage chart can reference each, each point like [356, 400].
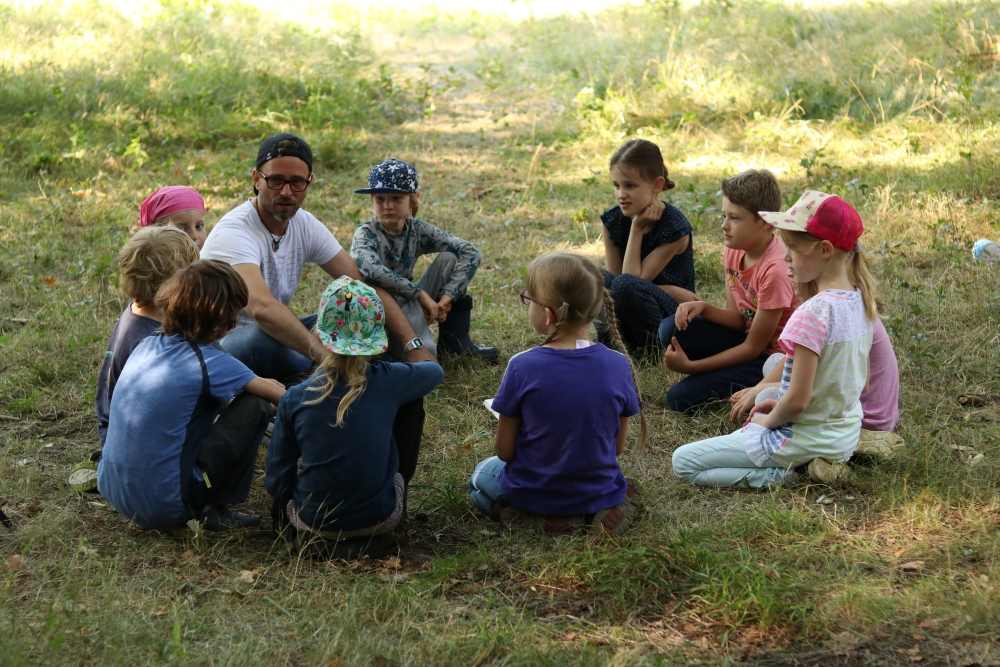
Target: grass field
[893, 106]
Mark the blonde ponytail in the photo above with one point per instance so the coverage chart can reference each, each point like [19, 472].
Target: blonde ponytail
[353, 370]
[862, 278]
[857, 270]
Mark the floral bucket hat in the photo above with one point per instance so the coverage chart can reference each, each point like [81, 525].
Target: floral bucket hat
[351, 319]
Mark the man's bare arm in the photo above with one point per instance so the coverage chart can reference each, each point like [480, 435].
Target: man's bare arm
[275, 318]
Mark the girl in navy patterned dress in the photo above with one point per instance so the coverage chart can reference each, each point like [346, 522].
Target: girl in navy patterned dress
[647, 246]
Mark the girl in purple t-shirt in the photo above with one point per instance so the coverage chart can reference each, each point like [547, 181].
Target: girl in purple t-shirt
[564, 411]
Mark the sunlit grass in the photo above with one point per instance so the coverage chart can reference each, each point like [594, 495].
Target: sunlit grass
[510, 119]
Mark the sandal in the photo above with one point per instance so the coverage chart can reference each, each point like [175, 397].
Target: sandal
[633, 492]
[614, 521]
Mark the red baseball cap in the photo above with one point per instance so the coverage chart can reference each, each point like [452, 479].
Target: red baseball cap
[827, 217]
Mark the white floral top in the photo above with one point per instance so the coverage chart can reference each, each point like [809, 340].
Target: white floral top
[832, 324]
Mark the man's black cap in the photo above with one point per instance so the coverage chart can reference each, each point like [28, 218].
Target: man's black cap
[269, 149]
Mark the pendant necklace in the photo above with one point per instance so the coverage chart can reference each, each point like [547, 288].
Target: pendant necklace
[275, 241]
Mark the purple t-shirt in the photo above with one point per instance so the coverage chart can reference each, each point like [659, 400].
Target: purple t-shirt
[881, 401]
[570, 403]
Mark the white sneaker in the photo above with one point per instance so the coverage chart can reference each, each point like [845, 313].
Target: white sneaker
[827, 472]
[879, 444]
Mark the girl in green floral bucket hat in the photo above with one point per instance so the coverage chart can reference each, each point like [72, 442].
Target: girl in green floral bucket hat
[347, 493]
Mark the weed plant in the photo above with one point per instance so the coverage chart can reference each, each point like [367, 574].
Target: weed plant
[891, 106]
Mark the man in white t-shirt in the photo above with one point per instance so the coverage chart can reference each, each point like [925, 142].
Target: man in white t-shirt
[268, 240]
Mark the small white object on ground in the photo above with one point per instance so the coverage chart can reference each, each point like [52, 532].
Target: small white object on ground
[985, 250]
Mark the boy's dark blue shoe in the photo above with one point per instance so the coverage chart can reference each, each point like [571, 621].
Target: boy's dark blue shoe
[219, 518]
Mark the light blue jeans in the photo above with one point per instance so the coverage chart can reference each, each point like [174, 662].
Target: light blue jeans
[484, 485]
[265, 356]
[723, 461]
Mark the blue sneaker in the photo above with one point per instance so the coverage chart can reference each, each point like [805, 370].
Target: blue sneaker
[219, 518]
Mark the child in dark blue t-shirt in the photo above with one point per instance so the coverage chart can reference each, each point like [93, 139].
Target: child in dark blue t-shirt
[564, 412]
[332, 466]
[150, 257]
[647, 246]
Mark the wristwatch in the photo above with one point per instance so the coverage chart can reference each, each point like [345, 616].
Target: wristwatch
[415, 344]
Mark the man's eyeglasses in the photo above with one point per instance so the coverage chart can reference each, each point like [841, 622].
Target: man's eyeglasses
[525, 299]
[278, 183]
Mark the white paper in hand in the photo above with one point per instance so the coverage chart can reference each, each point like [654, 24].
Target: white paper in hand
[489, 406]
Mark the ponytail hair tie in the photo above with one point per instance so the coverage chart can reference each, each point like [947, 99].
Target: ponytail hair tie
[857, 247]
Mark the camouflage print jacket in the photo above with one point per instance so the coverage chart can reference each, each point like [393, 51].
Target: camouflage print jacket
[389, 260]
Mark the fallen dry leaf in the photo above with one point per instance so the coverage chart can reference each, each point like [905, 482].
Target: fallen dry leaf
[898, 553]
[975, 400]
[919, 636]
[17, 563]
[246, 576]
[925, 624]
[187, 554]
[336, 662]
[912, 566]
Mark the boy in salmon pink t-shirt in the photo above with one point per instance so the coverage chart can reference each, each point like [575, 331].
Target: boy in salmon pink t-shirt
[723, 350]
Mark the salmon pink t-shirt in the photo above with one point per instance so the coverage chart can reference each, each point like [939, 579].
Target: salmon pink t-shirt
[765, 285]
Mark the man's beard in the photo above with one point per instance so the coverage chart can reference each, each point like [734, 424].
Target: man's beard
[269, 207]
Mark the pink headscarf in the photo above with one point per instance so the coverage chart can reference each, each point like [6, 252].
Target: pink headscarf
[169, 200]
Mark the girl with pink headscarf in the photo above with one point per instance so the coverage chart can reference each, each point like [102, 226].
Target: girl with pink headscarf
[177, 205]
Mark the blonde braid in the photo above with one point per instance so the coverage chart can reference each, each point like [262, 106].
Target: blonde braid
[560, 318]
[609, 309]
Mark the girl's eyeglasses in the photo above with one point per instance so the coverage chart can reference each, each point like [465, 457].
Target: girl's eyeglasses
[525, 299]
